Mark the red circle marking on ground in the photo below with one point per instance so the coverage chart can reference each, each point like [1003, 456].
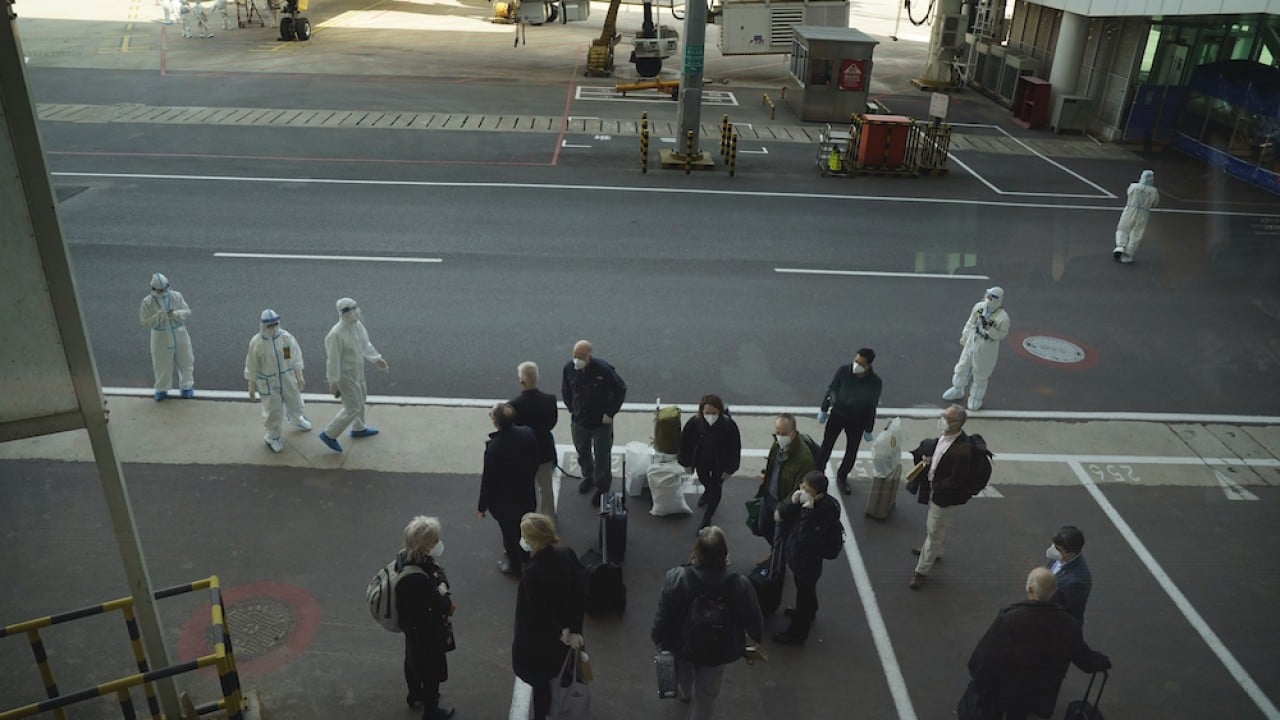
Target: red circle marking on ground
[191, 643]
[1090, 355]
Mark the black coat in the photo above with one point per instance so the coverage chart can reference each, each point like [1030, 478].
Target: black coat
[1075, 582]
[510, 464]
[854, 397]
[422, 609]
[678, 591]
[1020, 662]
[951, 481]
[592, 392]
[539, 412]
[549, 599]
[714, 451]
[809, 531]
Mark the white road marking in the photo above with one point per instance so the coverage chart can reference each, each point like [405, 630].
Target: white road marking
[869, 273]
[1105, 193]
[354, 258]
[805, 410]
[1166, 583]
[905, 199]
[989, 492]
[607, 93]
[1233, 489]
[761, 151]
[565, 143]
[521, 697]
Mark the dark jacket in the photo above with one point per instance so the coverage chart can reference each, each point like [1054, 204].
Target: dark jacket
[510, 464]
[678, 591]
[539, 412]
[1074, 585]
[592, 392]
[950, 484]
[799, 461]
[854, 397]
[714, 451]
[422, 610]
[1021, 660]
[550, 598]
[809, 530]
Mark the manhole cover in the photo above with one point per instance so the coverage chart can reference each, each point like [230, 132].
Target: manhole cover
[257, 626]
[1053, 349]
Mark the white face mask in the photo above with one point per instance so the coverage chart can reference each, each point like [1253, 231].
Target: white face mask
[579, 363]
[942, 425]
[858, 369]
[783, 441]
[269, 331]
[806, 499]
[525, 546]
[1053, 554]
[711, 418]
[436, 550]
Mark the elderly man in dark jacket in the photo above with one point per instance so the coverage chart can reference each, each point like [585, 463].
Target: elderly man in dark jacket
[594, 392]
[811, 520]
[1020, 662]
[537, 410]
[944, 485]
[507, 483]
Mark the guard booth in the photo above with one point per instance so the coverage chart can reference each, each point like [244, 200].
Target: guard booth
[833, 67]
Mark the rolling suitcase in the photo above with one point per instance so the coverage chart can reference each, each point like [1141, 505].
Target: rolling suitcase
[768, 577]
[883, 495]
[605, 591]
[886, 465]
[613, 526]
[1084, 710]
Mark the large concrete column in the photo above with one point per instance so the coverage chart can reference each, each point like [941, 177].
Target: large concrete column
[689, 113]
[1069, 54]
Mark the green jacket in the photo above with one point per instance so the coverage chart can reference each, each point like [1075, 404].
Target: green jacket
[799, 463]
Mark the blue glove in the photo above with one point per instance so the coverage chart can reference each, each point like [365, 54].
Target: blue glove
[822, 417]
[868, 436]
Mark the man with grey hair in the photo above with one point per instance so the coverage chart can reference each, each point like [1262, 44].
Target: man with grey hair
[944, 485]
[424, 604]
[1018, 666]
[594, 392]
[538, 411]
[506, 484]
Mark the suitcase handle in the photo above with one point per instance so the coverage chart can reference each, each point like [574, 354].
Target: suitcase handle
[1102, 686]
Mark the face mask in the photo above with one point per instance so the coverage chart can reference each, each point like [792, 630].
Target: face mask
[990, 306]
[711, 418]
[858, 369]
[269, 330]
[783, 441]
[352, 316]
[1053, 554]
[525, 546]
[436, 550]
[942, 425]
[579, 363]
[806, 499]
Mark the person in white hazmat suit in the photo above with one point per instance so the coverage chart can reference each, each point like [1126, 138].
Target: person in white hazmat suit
[273, 368]
[348, 348]
[1141, 197]
[166, 313]
[987, 325]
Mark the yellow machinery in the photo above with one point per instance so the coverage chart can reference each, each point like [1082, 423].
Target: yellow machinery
[600, 54]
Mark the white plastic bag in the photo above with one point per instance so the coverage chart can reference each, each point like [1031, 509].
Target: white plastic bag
[639, 455]
[666, 485]
[886, 451]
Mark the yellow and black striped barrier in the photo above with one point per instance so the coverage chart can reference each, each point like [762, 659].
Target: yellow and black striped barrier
[688, 152]
[732, 158]
[644, 142]
[222, 658]
[725, 130]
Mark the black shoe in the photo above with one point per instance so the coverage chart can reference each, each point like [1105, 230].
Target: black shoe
[413, 702]
[786, 637]
[437, 713]
[702, 501]
[585, 486]
[789, 612]
[843, 483]
[504, 566]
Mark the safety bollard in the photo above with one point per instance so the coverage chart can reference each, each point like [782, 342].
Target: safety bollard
[772, 110]
[724, 135]
[644, 142]
[733, 153]
[688, 153]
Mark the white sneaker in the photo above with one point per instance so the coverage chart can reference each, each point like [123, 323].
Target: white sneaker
[974, 405]
[274, 443]
[1126, 258]
[303, 423]
[953, 393]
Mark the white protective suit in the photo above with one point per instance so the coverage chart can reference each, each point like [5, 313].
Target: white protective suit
[988, 324]
[348, 348]
[166, 313]
[1141, 197]
[274, 368]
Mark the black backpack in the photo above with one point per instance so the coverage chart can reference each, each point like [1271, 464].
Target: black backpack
[834, 541]
[980, 467]
[710, 635]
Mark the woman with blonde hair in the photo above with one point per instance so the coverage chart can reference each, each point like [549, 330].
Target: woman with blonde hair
[424, 605]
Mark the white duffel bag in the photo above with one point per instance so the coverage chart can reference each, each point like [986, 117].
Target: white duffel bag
[638, 455]
[666, 482]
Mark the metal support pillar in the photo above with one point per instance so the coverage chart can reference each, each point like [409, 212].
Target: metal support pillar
[689, 114]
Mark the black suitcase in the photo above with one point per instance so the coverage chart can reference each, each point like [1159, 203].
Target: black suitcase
[1083, 709]
[613, 526]
[604, 588]
[768, 578]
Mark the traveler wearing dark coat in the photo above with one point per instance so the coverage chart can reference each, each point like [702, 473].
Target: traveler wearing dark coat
[507, 483]
[1019, 664]
[698, 678]
[594, 392]
[424, 604]
[852, 398]
[549, 609]
[712, 446]
[811, 520]
[538, 411]
[945, 484]
[1075, 582]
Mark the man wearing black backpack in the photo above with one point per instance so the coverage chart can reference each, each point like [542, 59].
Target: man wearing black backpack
[811, 520]
[958, 467]
[705, 616]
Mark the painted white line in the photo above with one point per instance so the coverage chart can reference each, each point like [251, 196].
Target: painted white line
[869, 273]
[565, 143]
[1106, 193]
[521, 698]
[1206, 633]
[1233, 489]
[799, 410]
[904, 199]
[875, 621]
[989, 492]
[761, 151]
[354, 258]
